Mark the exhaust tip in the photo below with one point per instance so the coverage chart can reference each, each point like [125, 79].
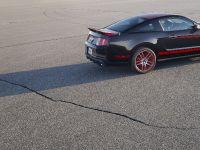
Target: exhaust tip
[101, 64]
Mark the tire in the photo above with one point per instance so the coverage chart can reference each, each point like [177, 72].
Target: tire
[143, 60]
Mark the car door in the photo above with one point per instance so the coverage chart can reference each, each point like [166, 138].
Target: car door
[182, 38]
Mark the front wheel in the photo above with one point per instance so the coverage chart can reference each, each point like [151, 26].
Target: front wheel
[144, 60]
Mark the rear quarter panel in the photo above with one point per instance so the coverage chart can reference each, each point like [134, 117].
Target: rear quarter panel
[131, 41]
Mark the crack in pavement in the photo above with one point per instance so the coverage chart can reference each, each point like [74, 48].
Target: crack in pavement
[98, 109]
[41, 41]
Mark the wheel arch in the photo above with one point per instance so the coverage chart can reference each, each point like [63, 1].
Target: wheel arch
[153, 47]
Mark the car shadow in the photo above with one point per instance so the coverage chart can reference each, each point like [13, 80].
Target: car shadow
[71, 75]
[177, 63]
[61, 76]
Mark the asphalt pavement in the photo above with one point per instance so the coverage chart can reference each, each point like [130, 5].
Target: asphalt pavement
[52, 97]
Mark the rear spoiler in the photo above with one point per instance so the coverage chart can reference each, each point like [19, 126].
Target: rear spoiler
[105, 32]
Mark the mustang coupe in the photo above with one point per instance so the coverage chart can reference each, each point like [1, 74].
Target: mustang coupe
[144, 40]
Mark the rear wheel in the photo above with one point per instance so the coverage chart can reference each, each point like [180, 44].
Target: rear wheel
[144, 60]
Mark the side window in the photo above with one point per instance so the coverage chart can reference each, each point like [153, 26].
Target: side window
[148, 27]
[145, 28]
[175, 24]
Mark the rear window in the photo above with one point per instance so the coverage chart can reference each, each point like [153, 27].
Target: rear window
[126, 24]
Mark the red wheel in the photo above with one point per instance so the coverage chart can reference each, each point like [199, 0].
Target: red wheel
[144, 60]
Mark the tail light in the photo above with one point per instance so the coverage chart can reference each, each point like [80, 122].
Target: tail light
[102, 42]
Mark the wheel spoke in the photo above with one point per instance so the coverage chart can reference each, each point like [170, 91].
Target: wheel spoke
[138, 63]
[138, 59]
[150, 63]
[148, 56]
[145, 67]
[142, 67]
[143, 56]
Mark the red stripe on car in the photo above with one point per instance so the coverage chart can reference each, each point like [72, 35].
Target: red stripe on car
[179, 51]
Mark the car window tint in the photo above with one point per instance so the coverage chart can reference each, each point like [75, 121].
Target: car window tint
[148, 27]
[175, 24]
[126, 24]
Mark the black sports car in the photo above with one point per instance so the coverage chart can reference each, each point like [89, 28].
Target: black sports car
[144, 40]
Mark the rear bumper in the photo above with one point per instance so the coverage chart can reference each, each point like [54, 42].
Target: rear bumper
[101, 59]
[104, 61]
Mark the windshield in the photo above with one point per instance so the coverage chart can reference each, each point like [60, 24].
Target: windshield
[123, 25]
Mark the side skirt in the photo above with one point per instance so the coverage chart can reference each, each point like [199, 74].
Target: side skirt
[159, 60]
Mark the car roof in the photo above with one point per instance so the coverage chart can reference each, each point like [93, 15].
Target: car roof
[137, 20]
[155, 15]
